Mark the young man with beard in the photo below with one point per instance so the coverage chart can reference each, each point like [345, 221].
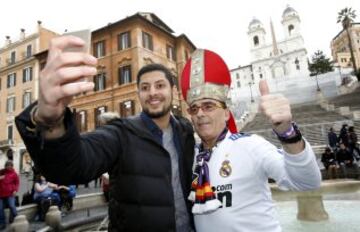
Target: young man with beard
[148, 156]
[231, 170]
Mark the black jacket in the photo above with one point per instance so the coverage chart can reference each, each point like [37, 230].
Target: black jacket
[141, 194]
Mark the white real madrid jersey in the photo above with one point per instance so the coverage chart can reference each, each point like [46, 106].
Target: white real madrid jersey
[239, 167]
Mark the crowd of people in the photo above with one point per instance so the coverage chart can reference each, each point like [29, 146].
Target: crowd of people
[342, 153]
[43, 193]
[160, 180]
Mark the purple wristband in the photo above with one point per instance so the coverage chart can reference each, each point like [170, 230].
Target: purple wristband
[290, 131]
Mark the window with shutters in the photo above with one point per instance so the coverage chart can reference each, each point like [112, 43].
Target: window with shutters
[28, 51]
[124, 73]
[99, 49]
[10, 104]
[27, 74]
[170, 52]
[12, 57]
[81, 121]
[98, 111]
[147, 41]
[124, 41]
[100, 82]
[26, 99]
[11, 80]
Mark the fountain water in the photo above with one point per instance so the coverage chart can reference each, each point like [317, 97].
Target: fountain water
[334, 207]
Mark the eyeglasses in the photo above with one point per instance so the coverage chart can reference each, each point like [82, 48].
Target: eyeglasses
[205, 107]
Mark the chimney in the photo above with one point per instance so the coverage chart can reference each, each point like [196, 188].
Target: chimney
[39, 25]
[22, 33]
[7, 41]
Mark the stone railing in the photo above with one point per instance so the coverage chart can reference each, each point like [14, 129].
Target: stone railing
[81, 202]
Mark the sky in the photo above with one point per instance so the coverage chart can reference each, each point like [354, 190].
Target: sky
[218, 25]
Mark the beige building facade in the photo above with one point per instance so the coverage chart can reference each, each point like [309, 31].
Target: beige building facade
[122, 48]
[18, 88]
[340, 50]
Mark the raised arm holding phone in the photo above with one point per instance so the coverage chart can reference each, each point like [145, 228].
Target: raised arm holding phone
[59, 82]
[148, 156]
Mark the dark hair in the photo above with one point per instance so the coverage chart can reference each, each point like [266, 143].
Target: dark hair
[155, 67]
[9, 163]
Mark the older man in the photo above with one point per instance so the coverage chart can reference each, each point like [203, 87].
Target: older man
[231, 170]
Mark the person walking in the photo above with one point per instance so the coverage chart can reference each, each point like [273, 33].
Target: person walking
[9, 186]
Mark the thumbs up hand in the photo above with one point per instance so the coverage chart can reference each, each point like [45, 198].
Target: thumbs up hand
[275, 107]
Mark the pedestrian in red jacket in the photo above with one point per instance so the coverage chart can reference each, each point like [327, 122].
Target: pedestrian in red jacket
[9, 186]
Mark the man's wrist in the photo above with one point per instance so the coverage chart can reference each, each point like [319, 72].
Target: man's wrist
[291, 135]
[286, 134]
[45, 124]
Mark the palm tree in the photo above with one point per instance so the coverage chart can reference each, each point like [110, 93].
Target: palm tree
[346, 16]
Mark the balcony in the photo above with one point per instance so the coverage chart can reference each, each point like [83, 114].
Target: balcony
[5, 144]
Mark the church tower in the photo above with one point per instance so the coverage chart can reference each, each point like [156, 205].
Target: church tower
[256, 34]
[290, 22]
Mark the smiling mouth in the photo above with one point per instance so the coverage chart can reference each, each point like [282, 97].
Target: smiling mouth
[154, 102]
[203, 124]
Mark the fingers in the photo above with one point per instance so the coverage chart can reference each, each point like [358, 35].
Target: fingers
[75, 88]
[65, 67]
[276, 108]
[69, 74]
[263, 87]
[72, 59]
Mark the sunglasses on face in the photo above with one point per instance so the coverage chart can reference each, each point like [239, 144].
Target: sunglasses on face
[205, 107]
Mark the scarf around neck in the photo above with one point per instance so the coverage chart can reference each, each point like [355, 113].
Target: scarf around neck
[202, 195]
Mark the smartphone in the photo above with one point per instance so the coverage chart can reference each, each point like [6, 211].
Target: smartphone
[84, 35]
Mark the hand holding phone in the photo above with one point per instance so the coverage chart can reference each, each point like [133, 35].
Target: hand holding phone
[84, 35]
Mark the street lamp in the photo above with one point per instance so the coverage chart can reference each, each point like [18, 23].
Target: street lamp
[317, 83]
[251, 95]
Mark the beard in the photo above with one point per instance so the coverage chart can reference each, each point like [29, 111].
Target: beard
[164, 111]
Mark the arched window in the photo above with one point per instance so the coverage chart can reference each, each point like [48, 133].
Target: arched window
[297, 64]
[256, 40]
[291, 28]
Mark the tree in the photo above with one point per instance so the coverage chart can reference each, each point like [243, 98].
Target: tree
[346, 17]
[320, 64]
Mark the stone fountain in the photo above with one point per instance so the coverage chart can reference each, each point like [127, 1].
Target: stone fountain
[326, 209]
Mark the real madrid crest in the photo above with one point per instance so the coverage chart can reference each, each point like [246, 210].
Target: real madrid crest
[225, 169]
